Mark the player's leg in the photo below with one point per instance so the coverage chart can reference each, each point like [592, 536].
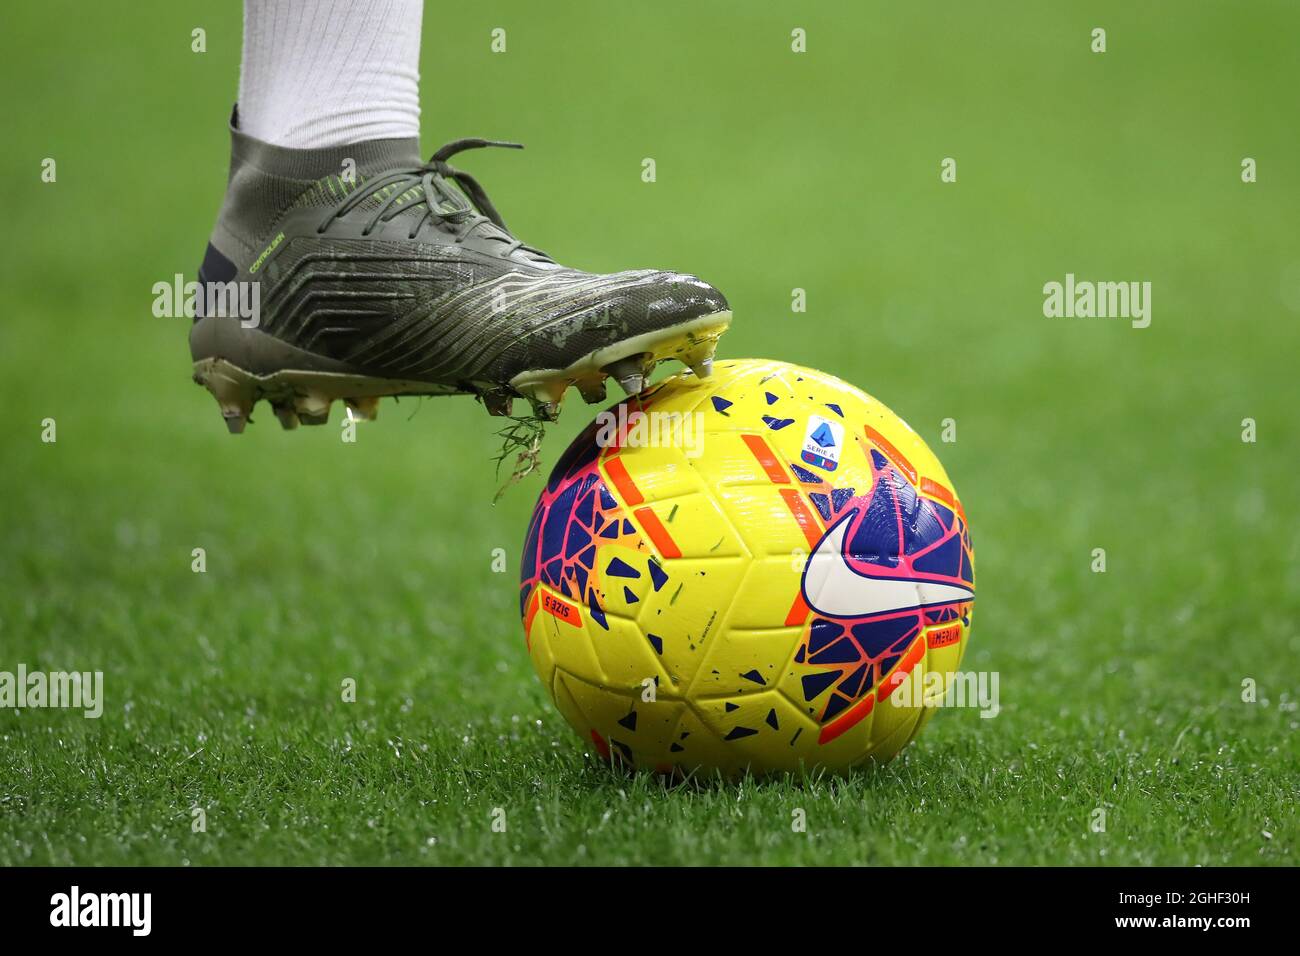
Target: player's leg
[330, 73]
[359, 270]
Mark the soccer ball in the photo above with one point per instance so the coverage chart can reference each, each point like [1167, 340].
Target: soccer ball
[754, 571]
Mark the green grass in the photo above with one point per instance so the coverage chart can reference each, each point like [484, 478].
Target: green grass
[373, 561]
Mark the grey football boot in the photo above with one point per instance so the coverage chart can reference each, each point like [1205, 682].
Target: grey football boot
[361, 271]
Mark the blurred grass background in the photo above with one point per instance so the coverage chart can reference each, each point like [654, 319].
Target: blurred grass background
[775, 170]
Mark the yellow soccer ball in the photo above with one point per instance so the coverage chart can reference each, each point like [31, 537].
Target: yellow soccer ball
[755, 571]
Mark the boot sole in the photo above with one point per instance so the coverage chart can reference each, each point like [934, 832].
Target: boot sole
[306, 396]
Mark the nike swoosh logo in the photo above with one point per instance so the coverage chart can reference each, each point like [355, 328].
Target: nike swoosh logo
[832, 588]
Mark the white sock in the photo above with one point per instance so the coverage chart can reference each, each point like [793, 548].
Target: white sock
[330, 72]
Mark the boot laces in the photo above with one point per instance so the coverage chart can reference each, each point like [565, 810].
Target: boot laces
[441, 203]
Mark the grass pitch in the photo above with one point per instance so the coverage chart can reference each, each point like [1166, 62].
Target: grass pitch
[1120, 691]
